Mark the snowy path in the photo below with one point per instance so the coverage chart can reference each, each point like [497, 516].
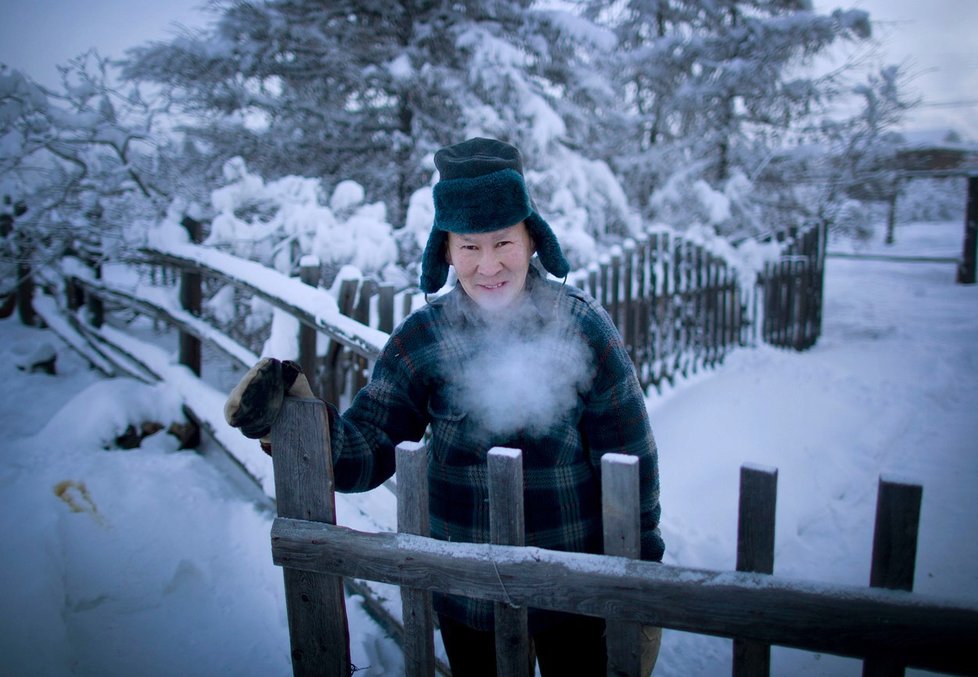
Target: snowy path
[165, 567]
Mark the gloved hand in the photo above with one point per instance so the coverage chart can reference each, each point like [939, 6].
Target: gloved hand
[255, 402]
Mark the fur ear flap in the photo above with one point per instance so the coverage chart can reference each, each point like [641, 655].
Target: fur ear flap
[434, 265]
[548, 249]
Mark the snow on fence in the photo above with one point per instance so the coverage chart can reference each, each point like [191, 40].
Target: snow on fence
[884, 624]
[678, 306]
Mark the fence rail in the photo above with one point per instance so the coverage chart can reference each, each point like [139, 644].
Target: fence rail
[881, 625]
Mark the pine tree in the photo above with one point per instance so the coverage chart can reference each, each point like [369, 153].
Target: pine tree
[714, 86]
[367, 90]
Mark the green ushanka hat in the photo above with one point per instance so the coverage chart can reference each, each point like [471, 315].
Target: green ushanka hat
[481, 189]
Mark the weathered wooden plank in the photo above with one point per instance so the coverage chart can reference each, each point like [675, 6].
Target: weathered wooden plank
[621, 520]
[183, 321]
[385, 308]
[412, 518]
[894, 552]
[309, 274]
[922, 631]
[315, 603]
[755, 553]
[506, 527]
[362, 340]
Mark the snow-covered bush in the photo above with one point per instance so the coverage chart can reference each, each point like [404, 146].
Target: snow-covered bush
[278, 222]
[932, 200]
[688, 200]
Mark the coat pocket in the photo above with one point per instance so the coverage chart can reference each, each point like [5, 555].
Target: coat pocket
[455, 437]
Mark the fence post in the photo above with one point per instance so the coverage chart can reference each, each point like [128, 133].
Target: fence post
[755, 552]
[967, 267]
[894, 551]
[190, 300]
[25, 281]
[621, 520]
[361, 313]
[506, 527]
[412, 518]
[319, 636]
[385, 308]
[309, 274]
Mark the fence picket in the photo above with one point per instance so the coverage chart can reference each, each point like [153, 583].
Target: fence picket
[894, 553]
[620, 514]
[309, 273]
[302, 463]
[506, 527]
[412, 518]
[755, 553]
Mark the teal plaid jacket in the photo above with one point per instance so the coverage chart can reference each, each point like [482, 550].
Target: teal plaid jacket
[440, 369]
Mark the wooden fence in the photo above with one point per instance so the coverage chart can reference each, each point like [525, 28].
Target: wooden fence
[679, 308]
[756, 609]
[889, 628]
[792, 291]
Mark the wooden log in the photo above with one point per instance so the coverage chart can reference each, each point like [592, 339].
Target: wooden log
[318, 631]
[921, 631]
[506, 527]
[894, 553]
[412, 518]
[755, 553]
[621, 521]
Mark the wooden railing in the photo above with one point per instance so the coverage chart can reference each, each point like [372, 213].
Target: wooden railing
[889, 628]
[679, 307]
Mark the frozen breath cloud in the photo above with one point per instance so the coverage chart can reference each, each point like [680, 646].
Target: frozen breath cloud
[520, 381]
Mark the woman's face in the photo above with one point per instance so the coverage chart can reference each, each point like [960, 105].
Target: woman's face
[492, 267]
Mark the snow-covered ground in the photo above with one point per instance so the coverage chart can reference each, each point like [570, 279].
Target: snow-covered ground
[153, 562]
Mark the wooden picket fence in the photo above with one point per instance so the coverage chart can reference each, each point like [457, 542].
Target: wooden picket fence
[793, 289]
[889, 628]
[679, 307]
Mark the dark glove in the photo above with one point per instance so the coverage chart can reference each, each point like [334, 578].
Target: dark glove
[256, 401]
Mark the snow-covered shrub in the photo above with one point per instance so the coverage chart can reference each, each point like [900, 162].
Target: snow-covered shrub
[932, 200]
[687, 200]
[278, 222]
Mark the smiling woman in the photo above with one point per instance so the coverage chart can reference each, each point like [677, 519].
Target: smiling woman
[492, 267]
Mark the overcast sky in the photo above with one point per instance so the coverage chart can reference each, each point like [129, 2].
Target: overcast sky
[936, 39]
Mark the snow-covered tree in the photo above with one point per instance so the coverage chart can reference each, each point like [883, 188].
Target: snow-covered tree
[367, 91]
[713, 88]
[78, 160]
[851, 172]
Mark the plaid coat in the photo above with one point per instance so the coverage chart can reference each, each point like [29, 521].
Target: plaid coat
[417, 383]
